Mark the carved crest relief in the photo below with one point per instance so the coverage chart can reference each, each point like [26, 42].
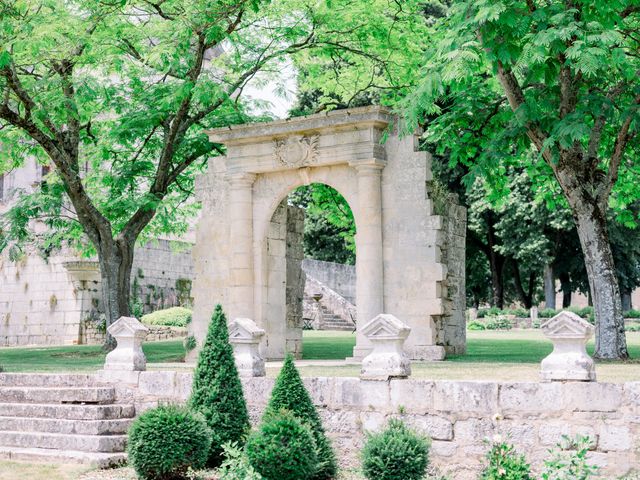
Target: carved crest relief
[296, 151]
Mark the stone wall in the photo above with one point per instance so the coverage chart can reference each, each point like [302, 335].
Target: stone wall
[91, 334]
[457, 415]
[338, 277]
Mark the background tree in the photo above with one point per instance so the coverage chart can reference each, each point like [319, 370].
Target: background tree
[562, 79]
[115, 95]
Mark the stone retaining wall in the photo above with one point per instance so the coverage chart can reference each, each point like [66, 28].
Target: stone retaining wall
[457, 415]
[92, 335]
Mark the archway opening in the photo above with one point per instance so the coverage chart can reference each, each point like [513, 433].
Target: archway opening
[310, 274]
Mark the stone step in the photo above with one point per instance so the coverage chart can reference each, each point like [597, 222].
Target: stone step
[67, 411]
[47, 380]
[66, 427]
[57, 395]
[58, 441]
[93, 459]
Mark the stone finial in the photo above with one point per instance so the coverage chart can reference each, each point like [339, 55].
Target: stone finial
[128, 355]
[387, 359]
[245, 337]
[569, 359]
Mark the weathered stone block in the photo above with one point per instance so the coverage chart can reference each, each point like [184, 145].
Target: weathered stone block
[128, 355]
[533, 397]
[160, 384]
[387, 359]
[476, 397]
[615, 438]
[245, 336]
[473, 430]
[411, 396]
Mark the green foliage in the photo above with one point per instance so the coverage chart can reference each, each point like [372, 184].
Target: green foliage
[584, 312]
[217, 391]
[167, 441]
[505, 464]
[283, 449]
[632, 328]
[548, 313]
[569, 461]
[236, 465]
[170, 317]
[475, 325]
[190, 343]
[289, 393]
[499, 322]
[632, 314]
[518, 312]
[396, 453]
[489, 312]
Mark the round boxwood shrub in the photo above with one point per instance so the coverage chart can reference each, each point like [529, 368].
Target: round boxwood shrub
[396, 453]
[169, 317]
[283, 449]
[165, 442]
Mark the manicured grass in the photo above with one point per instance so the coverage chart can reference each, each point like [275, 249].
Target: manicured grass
[327, 345]
[79, 357]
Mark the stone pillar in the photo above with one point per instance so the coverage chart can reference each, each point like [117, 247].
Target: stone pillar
[387, 359]
[241, 243]
[569, 359]
[128, 355]
[245, 337]
[369, 266]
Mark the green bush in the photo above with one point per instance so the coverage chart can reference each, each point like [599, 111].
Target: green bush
[548, 313]
[396, 453]
[169, 317]
[632, 314]
[627, 328]
[283, 449]
[290, 394]
[217, 391]
[487, 312]
[505, 464]
[569, 461]
[499, 322]
[476, 326]
[165, 442]
[190, 343]
[518, 312]
[236, 464]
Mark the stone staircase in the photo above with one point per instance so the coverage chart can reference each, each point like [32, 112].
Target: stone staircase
[331, 321]
[62, 418]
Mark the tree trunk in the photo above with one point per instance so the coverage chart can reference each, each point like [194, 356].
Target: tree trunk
[525, 297]
[565, 286]
[116, 260]
[496, 264]
[626, 301]
[591, 223]
[549, 287]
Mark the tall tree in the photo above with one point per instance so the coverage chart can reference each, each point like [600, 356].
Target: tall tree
[115, 95]
[562, 78]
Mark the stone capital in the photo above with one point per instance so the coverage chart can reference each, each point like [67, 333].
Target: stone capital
[241, 179]
[369, 167]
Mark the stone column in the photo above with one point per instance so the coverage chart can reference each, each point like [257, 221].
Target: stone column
[369, 266]
[241, 279]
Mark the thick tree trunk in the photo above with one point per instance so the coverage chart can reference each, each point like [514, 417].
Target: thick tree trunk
[626, 301]
[496, 264]
[549, 287]
[591, 223]
[565, 286]
[525, 297]
[116, 259]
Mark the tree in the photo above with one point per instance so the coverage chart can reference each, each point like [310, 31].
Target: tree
[116, 95]
[559, 77]
[289, 393]
[217, 391]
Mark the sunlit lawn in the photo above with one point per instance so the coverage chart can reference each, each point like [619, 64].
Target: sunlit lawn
[491, 355]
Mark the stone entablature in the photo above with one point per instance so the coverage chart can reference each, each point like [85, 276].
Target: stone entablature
[457, 415]
[400, 267]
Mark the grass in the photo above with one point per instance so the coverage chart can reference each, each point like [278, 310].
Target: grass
[513, 355]
[40, 471]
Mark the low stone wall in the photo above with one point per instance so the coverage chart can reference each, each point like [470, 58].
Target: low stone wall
[92, 335]
[458, 416]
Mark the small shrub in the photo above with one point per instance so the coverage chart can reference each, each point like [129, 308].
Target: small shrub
[569, 461]
[632, 314]
[396, 453]
[190, 343]
[499, 322]
[488, 312]
[476, 326]
[217, 391]
[289, 393]
[169, 317]
[505, 464]
[165, 442]
[2, 369]
[632, 328]
[236, 465]
[535, 324]
[518, 312]
[548, 313]
[283, 449]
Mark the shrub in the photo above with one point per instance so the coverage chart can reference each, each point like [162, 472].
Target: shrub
[476, 326]
[548, 313]
[488, 312]
[165, 442]
[283, 449]
[632, 328]
[236, 464]
[499, 322]
[569, 461]
[190, 343]
[396, 453]
[169, 317]
[632, 314]
[217, 391]
[518, 312]
[290, 394]
[505, 464]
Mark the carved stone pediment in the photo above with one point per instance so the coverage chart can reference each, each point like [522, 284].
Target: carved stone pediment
[296, 150]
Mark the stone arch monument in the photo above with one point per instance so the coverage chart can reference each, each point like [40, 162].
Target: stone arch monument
[409, 260]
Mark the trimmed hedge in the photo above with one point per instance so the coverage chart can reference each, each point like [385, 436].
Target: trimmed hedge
[165, 442]
[169, 317]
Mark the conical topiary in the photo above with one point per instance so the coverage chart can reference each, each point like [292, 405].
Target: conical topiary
[289, 393]
[217, 391]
